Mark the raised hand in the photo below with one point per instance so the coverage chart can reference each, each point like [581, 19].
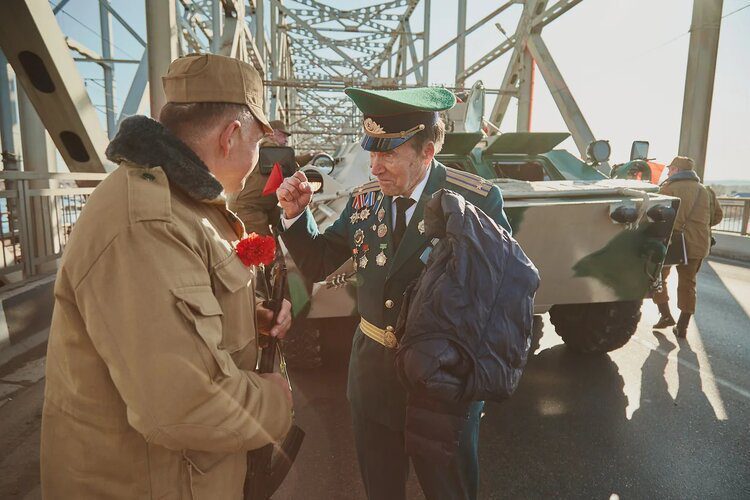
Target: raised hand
[294, 195]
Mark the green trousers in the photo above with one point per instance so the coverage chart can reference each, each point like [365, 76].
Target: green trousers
[384, 463]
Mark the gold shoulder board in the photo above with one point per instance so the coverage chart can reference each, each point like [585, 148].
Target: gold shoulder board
[474, 183]
[366, 188]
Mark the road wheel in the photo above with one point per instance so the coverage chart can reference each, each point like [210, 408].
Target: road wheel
[302, 347]
[596, 328]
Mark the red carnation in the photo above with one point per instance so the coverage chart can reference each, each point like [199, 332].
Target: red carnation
[256, 250]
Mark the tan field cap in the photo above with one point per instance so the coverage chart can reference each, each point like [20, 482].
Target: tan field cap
[682, 163]
[280, 126]
[215, 78]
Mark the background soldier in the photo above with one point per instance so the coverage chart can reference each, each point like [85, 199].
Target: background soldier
[150, 388]
[256, 211]
[699, 211]
[382, 231]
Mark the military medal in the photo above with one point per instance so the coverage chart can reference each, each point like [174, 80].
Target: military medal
[354, 218]
[382, 230]
[364, 214]
[359, 236]
[381, 214]
[420, 226]
[374, 227]
[381, 259]
[363, 261]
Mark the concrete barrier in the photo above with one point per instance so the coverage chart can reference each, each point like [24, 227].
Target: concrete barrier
[25, 310]
[731, 246]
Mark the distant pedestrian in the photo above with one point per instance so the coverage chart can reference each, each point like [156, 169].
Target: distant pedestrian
[698, 212]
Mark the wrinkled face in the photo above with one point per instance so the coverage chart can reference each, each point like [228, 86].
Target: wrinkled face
[399, 170]
[240, 148]
[280, 137]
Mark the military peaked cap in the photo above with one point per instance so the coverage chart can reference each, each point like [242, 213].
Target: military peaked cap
[392, 117]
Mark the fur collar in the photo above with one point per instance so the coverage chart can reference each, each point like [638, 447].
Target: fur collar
[685, 175]
[148, 143]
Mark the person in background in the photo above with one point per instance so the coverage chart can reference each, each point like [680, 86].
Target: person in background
[699, 211]
[256, 211]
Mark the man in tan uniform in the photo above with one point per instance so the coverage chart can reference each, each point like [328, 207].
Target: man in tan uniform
[256, 211]
[699, 210]
[150, 389]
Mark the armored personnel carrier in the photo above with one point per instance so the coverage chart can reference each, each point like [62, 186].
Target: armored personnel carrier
[598, 242]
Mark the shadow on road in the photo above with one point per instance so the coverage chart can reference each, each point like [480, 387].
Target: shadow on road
[555, 436]
[565, 433]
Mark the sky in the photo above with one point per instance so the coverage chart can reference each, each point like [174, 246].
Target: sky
[624, 61]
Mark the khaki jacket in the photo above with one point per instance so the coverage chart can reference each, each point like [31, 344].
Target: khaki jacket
[256, 211]
[150, 389]
[706, 212]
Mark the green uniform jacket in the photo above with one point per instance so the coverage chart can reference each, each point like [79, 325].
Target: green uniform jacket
[374, 390]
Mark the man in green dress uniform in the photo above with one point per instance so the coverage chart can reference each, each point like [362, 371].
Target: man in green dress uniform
[382, 231]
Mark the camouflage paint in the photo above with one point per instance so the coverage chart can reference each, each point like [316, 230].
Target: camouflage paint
[515, 217]
[620, 265]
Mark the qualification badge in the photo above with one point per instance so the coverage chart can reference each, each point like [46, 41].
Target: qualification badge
[420, 226]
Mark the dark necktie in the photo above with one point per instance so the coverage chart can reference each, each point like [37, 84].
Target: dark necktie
[402, 205]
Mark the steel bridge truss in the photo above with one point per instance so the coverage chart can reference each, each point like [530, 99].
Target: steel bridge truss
[307, 51]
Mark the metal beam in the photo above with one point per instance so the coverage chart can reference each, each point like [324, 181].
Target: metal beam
[567, 105]
[122, 21]
[274, 91]
[105, 23]
[260, 29]
[512, 73]
[35, 47]
[426, 43]
[525, 92]
[137, 89]
[161, 29]
[413, 53]
[699, 81]
[461, 43]
[542, 20]
[315, 33]
[452, 42]
[38, 151]
[10, 133]
[60, 6]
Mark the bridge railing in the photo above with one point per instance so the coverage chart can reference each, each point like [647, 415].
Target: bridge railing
[37, 213]
[736, 215]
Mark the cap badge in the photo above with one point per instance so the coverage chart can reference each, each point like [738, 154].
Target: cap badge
[373, 128]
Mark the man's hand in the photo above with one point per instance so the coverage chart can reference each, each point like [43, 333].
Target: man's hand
[294, 195]
[279, 381]
[283, 322]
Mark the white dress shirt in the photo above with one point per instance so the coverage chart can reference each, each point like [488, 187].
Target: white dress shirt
[415, 195]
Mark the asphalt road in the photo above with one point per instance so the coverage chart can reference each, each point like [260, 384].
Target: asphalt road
[659, 418]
